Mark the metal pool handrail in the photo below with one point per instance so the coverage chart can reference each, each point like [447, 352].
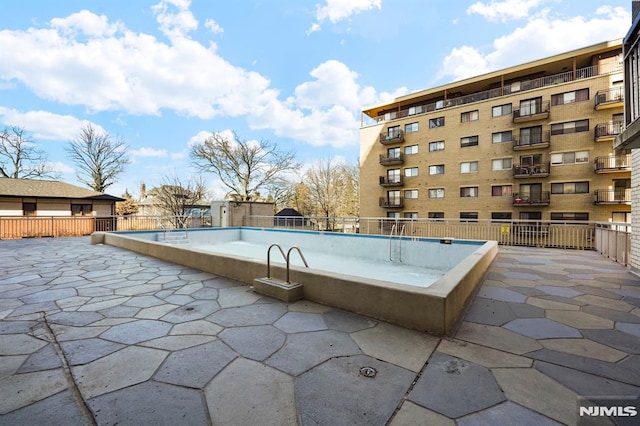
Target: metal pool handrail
[301, 256]
[269, 259]
[399, 235]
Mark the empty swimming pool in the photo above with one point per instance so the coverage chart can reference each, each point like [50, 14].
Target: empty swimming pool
[416, 282]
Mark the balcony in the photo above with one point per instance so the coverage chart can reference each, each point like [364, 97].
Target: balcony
[534, 171]
[392, 137]
[612, 196]
[531, 199]
[391, 181]
[507, 89]
[537, 111]
[612, 164]
[391, 203]
[606, 132]
[609, 98]
[521, 143]
[392, 160]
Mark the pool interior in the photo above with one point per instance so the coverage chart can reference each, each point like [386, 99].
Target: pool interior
[434, 308]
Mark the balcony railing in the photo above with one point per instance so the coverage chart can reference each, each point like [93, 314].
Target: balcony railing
[392, 137]
[607, 131]
[609, 98]
[531, 199]
[612, 164]
[391, 203]
[507, 89]
[536, 111]
[612, 196]
[534, 171]
[531, 142]
[391, 181]
[392, 160]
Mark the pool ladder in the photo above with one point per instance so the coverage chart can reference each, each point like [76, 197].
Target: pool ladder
[286, 258]
[399, 234]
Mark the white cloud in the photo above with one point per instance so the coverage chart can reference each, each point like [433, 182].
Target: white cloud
[85, 60]
[175, 23]
[44, 124]
[324, 111]
[338, 10]
[148, 152]
[542, 36]
[503, 11]
[213, 26]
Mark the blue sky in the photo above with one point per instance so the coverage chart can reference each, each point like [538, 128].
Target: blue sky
[163, 74]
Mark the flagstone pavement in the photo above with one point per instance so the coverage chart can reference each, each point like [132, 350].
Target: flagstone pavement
[93, 334]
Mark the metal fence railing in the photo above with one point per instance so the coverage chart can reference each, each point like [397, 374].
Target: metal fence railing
[611, 239]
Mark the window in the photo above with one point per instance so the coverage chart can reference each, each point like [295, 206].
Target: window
[469, 167]
[624, 217]
[435, 215]
[531, 135]
[469, 191]
[28, 209]
[468, 216]
[411, 171]
[501, 164]
[436, 193]
[570, 127]
[466, 117]
[530, 106]
[411, 127]
[393, 176]
[393, 132]
[393, 197]
[411, 149]
[415, 110]
[81, 209]
[437, 169]
[500, 137]
[531, 160]
[393, 152]
[436, 122]
[577, 157]
[469, 141]
[436, 146]
[531, 215]
[410, 215]
[391, 115]
[501, 216]
[393, 215]
[570, 188]
[499, 110]
[570, 97]
[411, 194]
[501, 191]
[569, 216]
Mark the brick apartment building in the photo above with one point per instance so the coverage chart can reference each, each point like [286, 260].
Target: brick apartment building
[531, 142]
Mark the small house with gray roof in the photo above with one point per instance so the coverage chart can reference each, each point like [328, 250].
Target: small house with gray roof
[42, 208]
[30, 197]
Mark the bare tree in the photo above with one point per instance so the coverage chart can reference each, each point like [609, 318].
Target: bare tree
[177, 196]
[19, 157]
[244, 167]
[99, 157]
[325, 182]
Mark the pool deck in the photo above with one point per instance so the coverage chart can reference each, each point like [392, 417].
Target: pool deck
[94, 334]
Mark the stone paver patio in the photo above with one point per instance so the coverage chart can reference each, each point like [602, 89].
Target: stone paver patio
[92, 334]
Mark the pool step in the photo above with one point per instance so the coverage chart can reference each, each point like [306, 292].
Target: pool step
[171, 238]
[278, 289]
